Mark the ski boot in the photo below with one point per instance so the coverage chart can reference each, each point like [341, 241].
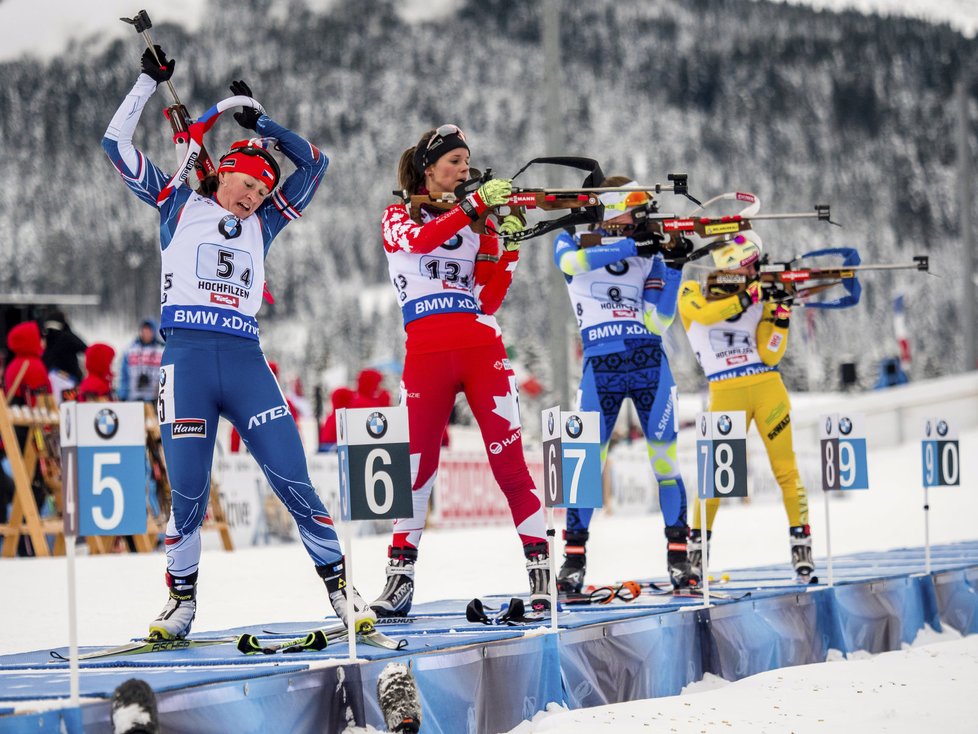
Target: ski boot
[179, 611]
[694, 552]
[570, 578]
[134, 708]
[801, 554]
[395, 599]
[677, 559]
[334, 576]
[538, 568]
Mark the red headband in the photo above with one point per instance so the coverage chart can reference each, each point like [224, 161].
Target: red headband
[253, 164]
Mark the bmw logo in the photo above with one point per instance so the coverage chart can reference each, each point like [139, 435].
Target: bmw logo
[703, 426]
[454, 243]
[229, 227]
[941, 428]
[828, 426]
[550, 423]
[618, 268]
[106, 423]
[376, 424]
[724, 424]
[68, 426]
[927, 429]
[575, 426]
[162, 378]
[845, 426]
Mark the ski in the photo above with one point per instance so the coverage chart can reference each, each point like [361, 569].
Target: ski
[366, 633]
[146, 645]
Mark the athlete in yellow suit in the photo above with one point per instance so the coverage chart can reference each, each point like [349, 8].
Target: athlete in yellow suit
[739, 341]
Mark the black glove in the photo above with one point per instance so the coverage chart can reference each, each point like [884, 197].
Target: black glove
[158, 71]
[248, 116]
[647, 250]
[677, 256]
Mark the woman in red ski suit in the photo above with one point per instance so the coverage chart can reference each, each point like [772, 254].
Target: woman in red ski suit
[450, 280]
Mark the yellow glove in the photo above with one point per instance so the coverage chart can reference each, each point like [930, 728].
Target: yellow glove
[496, 191]
[510, 225]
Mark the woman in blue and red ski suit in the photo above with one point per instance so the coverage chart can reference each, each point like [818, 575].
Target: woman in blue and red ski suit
[450, 279]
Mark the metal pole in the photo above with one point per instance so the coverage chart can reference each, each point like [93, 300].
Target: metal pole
[552, 540]
[350, 613]
[828, 536]
[554, 126]
[72, 620]
[926, 530]
[704, 559]
[967, 202]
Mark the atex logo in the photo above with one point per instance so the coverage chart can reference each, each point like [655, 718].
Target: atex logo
[106, 423]
[188, 428]
[279, 411]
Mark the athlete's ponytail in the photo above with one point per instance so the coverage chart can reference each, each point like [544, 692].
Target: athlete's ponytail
[409, 178]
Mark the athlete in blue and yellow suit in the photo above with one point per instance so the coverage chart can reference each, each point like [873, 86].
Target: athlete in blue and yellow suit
[624, 300]
[739, 341]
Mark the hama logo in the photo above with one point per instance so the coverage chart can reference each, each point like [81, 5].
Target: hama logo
[229, 227]
[224, 299]
[845, 426]
[377, 425]
[106, 423]
[189, 427]
[574, 427]
[724, 424]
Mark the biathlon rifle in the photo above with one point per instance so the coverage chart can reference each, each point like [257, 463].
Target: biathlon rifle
[177, 114]
[669, 233]
[788, 282]
[582, 202]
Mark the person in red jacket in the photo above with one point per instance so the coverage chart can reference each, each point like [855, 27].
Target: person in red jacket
[97, 384]
[450, 280]
[342, 397]
[26, 374]
[369, 393]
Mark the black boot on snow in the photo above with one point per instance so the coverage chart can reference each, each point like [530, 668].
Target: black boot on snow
[395, 600]
[694, 554]
[538, 569]
[570, 578]
[677, 558]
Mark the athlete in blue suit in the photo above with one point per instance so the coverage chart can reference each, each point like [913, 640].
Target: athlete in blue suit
[624, 298]
[213, 245]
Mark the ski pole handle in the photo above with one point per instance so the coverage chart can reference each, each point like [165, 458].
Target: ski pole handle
[142, 24]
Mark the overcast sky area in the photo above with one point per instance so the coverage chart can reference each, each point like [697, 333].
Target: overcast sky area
[44, 28]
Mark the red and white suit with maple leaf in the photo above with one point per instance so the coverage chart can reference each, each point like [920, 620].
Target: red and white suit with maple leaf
[450, 280]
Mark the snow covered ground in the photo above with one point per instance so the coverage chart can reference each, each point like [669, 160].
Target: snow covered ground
[119, 594]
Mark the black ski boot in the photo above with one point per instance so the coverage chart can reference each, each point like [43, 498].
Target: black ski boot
[134, 708]
[570, 578]
[538, 568]
[395, 599]
[801, 553]
[694, 553]
[677, 558]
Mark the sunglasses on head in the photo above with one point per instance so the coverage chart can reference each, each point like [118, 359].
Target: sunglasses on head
[443, 131]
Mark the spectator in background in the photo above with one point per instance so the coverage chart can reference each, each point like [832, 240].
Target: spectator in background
[139, 373]
[370, 393]
[342, 397]
[24, 379]
[97, 384]
[63, 347]
[236, 437]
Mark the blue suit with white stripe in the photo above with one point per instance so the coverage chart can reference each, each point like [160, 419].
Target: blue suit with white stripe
[212, 283]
